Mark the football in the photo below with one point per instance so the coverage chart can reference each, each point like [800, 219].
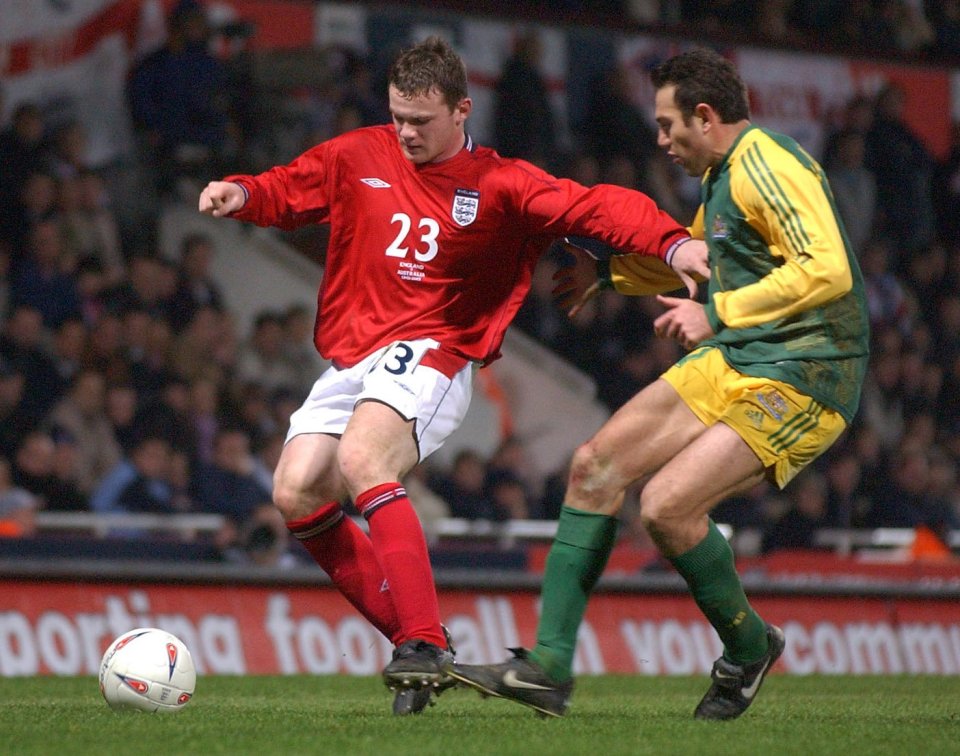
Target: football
[147, 669]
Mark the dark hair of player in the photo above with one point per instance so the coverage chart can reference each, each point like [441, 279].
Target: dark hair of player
[427, 66]
[704, 76]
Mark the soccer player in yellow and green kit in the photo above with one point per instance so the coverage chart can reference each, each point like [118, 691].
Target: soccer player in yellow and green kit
[778, 357]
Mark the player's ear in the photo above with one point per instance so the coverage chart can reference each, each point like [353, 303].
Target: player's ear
[705, 114]
[463, 109]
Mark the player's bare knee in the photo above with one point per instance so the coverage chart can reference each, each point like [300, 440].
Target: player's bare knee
[288, 500]
[592, 479]
[659, 513]
[293, 499]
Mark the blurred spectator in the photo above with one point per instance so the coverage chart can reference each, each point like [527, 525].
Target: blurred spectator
[18, 507]
[22, 343]
[751, 509]
[855, 116]
[141, 289]
[910, 502]
[92, 284]
[719, 15]
[35, 468]
[179, 101]
[204, 423]
[6, 266]
[195, 351]
[263, 540]
[149, 489]
[36, 203]
[554, 491]
[42, 282]
[21, 154]
[922, 382]
[299, 350]
[137, 481]
[854, 187]
[66, 355]
[105, 345]
[266, 456]
[508, 496]
[228, 485]
[167, 413]
[927, 277]
[807, 513]
[463, 488]
[903, 168]
[263, 357]
[511, 461]
[151, 369]
[346, 117]
[947, 317]
[774, 22]
[539, 316]
[946, 186]
[945, 17]
[82, 414]
[845, 502]
[863, 25]
[524, 122]
[675, 192]
[120, 405]
[882, 404]
[620, 170]
[614, 125]
[195, 287]
[66, 471]
[913, 32]
[429, 505]
[135, 324]
[887, 301]
[90, 225]
[583, 167]
[67, 155]
[16, 419]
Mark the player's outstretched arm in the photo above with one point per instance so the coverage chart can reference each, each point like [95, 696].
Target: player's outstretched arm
[220, 198]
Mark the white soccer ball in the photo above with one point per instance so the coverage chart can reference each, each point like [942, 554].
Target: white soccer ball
[149, 670]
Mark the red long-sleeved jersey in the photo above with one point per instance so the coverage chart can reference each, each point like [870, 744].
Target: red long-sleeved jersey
[441, 250]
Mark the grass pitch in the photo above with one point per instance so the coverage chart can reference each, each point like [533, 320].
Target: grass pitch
[609, 715]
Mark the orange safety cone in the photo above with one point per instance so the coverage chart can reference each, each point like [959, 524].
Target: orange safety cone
[928, 546]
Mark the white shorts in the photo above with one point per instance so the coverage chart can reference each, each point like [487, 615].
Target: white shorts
[393, 376]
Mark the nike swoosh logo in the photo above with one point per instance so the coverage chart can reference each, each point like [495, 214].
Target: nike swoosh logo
[511, 680]
[750, 692]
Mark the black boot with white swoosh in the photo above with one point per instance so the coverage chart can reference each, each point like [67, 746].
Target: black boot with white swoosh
[735, 685]
[519, 679]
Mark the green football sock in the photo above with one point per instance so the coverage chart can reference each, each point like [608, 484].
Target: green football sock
[576, 560]
[712, 577]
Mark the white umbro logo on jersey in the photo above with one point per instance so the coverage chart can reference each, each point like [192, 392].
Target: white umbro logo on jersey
[376, 183]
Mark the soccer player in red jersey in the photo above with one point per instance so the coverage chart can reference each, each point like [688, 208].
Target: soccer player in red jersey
[433, 240]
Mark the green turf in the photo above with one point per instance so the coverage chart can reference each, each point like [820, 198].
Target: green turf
[610, 715]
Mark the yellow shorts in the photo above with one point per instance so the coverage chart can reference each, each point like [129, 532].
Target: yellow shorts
[786, 429]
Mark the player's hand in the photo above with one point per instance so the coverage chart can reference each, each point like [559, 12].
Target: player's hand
[577, 283]
[685, 321]
[690, 263]
[220, 198]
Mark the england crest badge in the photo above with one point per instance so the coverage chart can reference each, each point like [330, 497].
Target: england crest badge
[466, 202]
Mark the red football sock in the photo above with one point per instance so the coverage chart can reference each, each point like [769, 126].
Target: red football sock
[402, 550]
[346, 554]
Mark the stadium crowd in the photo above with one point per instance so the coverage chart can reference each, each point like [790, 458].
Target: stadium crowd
[126, 386]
